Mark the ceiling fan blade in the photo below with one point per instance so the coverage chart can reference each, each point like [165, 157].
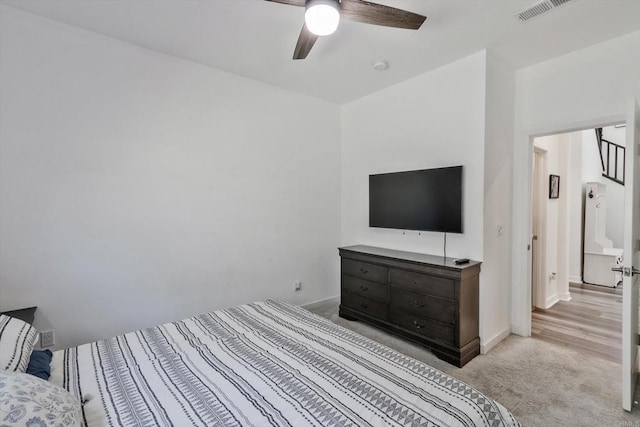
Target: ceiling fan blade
[306, 40]
[290, 2]
[378, 14]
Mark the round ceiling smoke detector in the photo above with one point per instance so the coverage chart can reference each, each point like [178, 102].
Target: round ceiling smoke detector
[380, 65]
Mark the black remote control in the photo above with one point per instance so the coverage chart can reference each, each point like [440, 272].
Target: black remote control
[461, 261]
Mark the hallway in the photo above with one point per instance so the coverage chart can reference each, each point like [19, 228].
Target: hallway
[590, 322]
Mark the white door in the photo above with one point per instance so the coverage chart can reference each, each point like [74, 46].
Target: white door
[631, 257]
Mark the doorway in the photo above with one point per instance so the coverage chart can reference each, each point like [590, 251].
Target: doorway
[591, 322]
[521, 262]
[521, 220]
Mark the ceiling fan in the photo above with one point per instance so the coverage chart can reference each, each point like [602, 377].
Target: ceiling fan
[322, 18]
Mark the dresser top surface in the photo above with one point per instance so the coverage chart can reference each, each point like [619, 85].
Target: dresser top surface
[409, 256]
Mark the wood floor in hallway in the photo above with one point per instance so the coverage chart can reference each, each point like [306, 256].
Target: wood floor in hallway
[591, 322]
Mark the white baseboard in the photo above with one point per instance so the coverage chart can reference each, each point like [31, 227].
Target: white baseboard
[566, 296]
[551, 301]
[318, 301]
[575, 279]
[487, 346]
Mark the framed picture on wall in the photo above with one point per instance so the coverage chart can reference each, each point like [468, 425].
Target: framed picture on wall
[554, 186]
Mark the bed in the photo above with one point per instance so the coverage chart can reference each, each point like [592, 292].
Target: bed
[262, 364]
[267, 363]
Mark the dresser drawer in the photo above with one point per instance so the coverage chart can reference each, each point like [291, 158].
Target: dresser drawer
[364, 270]
[428, 328]
[423, 306]
[365, 288]
[373, 308]
[423, 283]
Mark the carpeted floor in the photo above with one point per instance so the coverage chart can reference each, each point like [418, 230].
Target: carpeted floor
[542, 384]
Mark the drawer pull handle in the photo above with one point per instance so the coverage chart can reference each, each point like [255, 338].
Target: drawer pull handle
[363, 271]
[417, 304]
[364, 305]
[417, 325]
[364, 288]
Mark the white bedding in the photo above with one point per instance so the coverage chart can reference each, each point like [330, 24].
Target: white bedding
[263, 364]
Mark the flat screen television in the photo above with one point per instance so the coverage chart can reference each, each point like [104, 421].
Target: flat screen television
[425, 200]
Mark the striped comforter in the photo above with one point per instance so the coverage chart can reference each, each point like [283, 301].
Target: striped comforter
[263, 364]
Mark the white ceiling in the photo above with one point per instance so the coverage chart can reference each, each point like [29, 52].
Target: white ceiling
[256, 38]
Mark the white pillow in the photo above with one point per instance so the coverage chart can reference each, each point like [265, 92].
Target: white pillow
[26, 400]
[17, 339]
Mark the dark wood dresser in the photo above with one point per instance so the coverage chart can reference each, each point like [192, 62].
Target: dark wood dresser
[424, 298]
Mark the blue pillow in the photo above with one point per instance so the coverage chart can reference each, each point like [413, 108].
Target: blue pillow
[40, 364]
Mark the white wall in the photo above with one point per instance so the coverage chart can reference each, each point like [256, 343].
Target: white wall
[579, 86]
[498, 176]
[591, 164]
[138, 188]
[575, 91]
[433, 120]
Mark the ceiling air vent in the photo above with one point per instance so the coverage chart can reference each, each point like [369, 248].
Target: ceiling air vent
[538, 9]
[557, 3]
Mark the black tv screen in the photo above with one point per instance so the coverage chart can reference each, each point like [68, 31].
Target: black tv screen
[426, 200]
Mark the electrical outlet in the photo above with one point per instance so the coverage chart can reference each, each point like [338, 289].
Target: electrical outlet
[500, 231]
[297, 286]
[47, 339]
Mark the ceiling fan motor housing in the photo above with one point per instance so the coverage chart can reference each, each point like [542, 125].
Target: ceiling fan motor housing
[322, 16]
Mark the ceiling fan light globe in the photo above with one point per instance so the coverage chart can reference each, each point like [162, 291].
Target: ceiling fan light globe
[322, 17]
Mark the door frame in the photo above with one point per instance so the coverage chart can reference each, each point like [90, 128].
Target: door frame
[521, 205]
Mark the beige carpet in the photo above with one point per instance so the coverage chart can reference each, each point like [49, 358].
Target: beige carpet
[543, 384]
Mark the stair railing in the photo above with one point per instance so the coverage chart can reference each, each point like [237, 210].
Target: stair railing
[612, 157]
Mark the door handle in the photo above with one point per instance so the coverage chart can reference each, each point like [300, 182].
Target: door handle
[626, 271]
